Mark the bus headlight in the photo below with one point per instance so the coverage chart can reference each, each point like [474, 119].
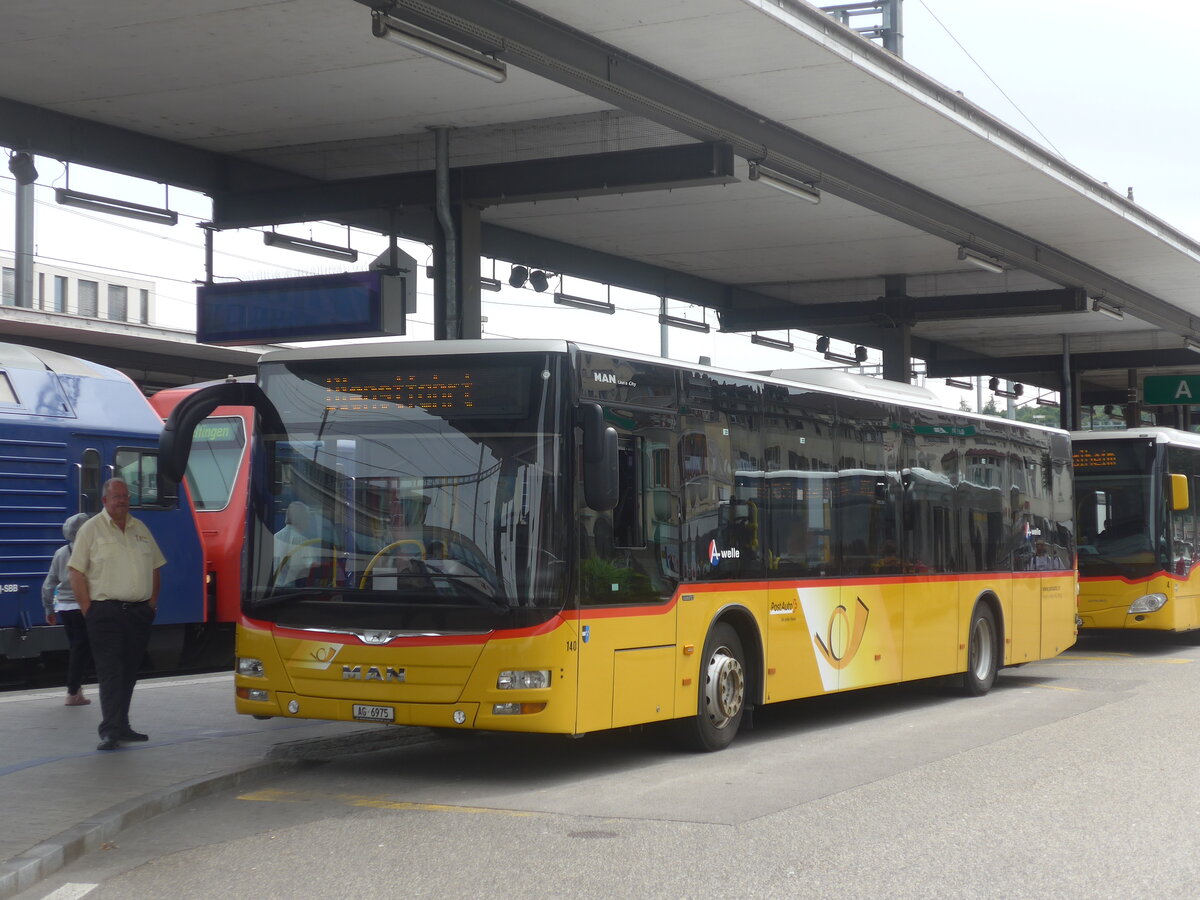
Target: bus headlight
[250, 667]
[1148, 603]
[517, 709]
[514, 679]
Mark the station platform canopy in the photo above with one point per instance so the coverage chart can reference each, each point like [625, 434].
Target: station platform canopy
[622, 146]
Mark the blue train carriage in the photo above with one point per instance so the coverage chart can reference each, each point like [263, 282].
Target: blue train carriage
[67, 425]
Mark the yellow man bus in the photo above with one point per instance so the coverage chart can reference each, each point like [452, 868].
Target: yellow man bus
[1137, 493]
[545, 537]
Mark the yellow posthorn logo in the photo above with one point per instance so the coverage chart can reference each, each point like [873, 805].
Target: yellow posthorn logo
[324, 654]
[836, 653]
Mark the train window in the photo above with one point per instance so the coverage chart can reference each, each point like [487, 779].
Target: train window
[7, 394]
[89, 482]
[139, 470]
[218, 445]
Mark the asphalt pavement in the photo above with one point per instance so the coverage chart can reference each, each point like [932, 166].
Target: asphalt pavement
[62, 797]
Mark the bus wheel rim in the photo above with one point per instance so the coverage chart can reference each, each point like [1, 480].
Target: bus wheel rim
[725, 688]
[981, 648]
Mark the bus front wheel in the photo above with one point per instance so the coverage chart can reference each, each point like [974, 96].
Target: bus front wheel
[721, 695]
[982, 657]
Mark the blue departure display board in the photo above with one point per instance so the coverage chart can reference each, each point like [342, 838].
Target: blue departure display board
[311, 308]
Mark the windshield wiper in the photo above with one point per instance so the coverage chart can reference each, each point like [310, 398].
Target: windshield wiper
[279, 597]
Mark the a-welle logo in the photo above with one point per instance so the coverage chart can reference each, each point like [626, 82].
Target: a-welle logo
[838, 652]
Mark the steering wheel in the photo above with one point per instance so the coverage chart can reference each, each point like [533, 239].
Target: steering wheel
[392, 546]
[288, 557]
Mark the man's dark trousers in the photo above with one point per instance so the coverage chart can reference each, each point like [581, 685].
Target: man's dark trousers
[118, 633]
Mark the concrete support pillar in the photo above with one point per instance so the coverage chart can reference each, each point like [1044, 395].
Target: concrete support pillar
[896, 340]
[460, 317]
[1068, 397]
[23, 274]
[1133, 412]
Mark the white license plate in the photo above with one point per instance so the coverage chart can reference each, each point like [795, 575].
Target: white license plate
[374, 713]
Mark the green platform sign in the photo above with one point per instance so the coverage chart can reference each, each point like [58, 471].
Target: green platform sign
[1171, 390]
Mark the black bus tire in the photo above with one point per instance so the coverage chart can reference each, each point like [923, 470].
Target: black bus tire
[721, 693]
[982, 655]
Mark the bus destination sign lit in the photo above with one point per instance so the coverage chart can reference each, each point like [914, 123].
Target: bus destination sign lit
[445, 391]
[1097, 458]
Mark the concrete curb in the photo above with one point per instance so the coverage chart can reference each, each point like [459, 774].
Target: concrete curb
[24, 871]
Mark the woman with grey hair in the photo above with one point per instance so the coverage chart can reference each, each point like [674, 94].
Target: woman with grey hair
[58, 600]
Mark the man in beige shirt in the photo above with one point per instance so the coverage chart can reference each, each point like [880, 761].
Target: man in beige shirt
[115, 576]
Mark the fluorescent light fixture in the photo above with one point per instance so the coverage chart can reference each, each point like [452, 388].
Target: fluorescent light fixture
[994, 387]
[783, 183]
[987, 263]
[437, 47]
[68, 197]
[1046, 401]
[685, 324]
[772, 342]
[602, 306]
[961, 385]
[1107, 309]
[859, 357]
[489, 284]
[311, 247]
[1189, 344]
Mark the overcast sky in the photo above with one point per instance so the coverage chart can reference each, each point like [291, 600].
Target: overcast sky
[1107, 87]
[1109, 84]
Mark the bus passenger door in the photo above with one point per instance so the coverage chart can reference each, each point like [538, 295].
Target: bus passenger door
[1185, 552]
[629, 555]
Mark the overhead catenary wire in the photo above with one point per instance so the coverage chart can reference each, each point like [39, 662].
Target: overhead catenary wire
[1003, 93]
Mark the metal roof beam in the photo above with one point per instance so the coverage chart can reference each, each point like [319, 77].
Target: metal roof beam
[1018, 365]
[892, 311]
[72, 139]
[657, 168]
[536, 43]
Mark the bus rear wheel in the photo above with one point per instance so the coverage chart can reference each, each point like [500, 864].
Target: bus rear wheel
[982, 657]
[721, 699]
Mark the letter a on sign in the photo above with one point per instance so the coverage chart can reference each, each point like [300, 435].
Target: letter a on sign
[1170, 390]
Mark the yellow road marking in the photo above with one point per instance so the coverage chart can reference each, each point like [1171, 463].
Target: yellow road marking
[432, 807]
[271, 795]
[274, 795]
[1123, 658]
[1056, 687]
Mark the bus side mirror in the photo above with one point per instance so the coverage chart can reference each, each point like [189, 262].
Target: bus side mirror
[600, 473]
[175, 442]
[1179, 493]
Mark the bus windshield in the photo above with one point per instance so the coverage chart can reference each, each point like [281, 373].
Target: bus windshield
[421, 495]
[1120, 509]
